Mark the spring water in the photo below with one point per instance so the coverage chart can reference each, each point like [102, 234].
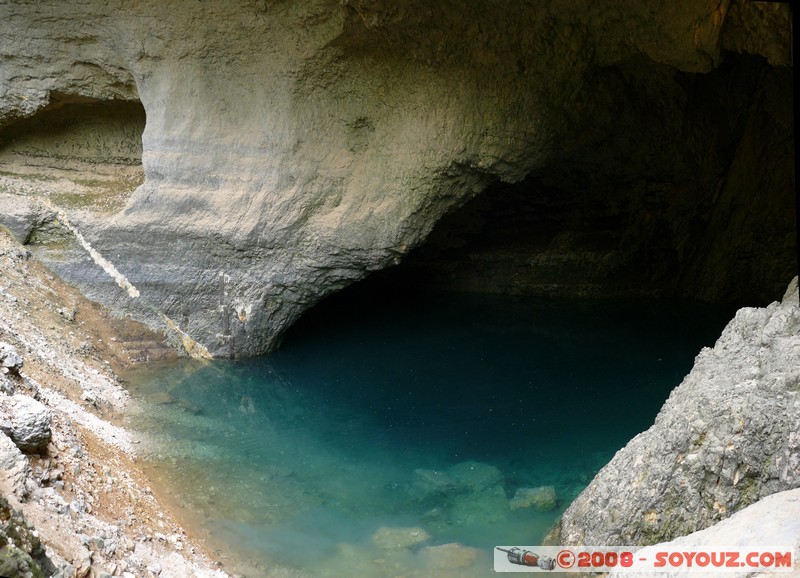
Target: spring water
[389, 437]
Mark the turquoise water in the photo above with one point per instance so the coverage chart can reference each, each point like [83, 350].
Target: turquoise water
[409, 413]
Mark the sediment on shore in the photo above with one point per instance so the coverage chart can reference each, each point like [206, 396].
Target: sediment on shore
[75, 499]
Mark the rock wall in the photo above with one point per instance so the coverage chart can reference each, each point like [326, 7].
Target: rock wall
[292, 147]
[697, 202]
[728, 436]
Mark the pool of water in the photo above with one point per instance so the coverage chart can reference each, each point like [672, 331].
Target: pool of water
[407, 437]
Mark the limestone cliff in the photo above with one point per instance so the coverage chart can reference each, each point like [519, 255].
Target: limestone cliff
[291, 147]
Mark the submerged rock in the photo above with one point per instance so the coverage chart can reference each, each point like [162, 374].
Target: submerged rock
[466, 494]
[26, 421]
[399, 538]
[727, 436]
[489, 505]
[431, 484]
[476, 476]
[542, 498]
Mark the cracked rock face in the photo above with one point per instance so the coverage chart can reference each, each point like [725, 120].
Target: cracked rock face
[728, 436]
[292, 147]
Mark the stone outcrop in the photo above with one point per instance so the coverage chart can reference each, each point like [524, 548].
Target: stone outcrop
[728, 436]
[772, 522]
[290, 148]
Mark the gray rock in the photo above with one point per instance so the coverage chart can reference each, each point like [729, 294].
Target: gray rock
[727, 436]
[21, 554]
[7, 386]
[14, 467]
[282, 171]
[26, 421]
[772, 522]
[10, 360]
[67, 313]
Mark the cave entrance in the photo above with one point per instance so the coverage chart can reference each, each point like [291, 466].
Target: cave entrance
[675, 186]
[78, 152]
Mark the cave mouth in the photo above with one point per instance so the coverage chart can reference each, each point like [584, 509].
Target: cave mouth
[676, 186]
[79, 152]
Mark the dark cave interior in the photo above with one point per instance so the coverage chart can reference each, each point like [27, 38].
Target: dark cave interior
[678, 185]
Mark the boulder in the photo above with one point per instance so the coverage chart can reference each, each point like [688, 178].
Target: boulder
[26, 421]
[431, 484]
[10, 360]
[14, 467]
[22, 554]
[6, 385]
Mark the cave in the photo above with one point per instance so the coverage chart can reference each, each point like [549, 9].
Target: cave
[406, 281]
[685, 192]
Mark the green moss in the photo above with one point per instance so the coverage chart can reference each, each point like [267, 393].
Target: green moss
[22, 554]
[700, 440]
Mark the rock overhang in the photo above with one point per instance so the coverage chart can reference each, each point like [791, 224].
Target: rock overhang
[292, 147]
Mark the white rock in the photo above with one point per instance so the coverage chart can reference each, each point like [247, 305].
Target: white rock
[14, 467]
[10, 360]
[28, 421]
[772, 522]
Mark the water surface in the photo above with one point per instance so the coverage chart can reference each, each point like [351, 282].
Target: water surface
[409, 413]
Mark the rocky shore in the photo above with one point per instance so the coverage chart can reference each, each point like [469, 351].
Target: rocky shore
[73, 500]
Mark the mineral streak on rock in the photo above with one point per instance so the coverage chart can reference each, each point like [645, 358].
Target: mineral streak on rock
[293, 147]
